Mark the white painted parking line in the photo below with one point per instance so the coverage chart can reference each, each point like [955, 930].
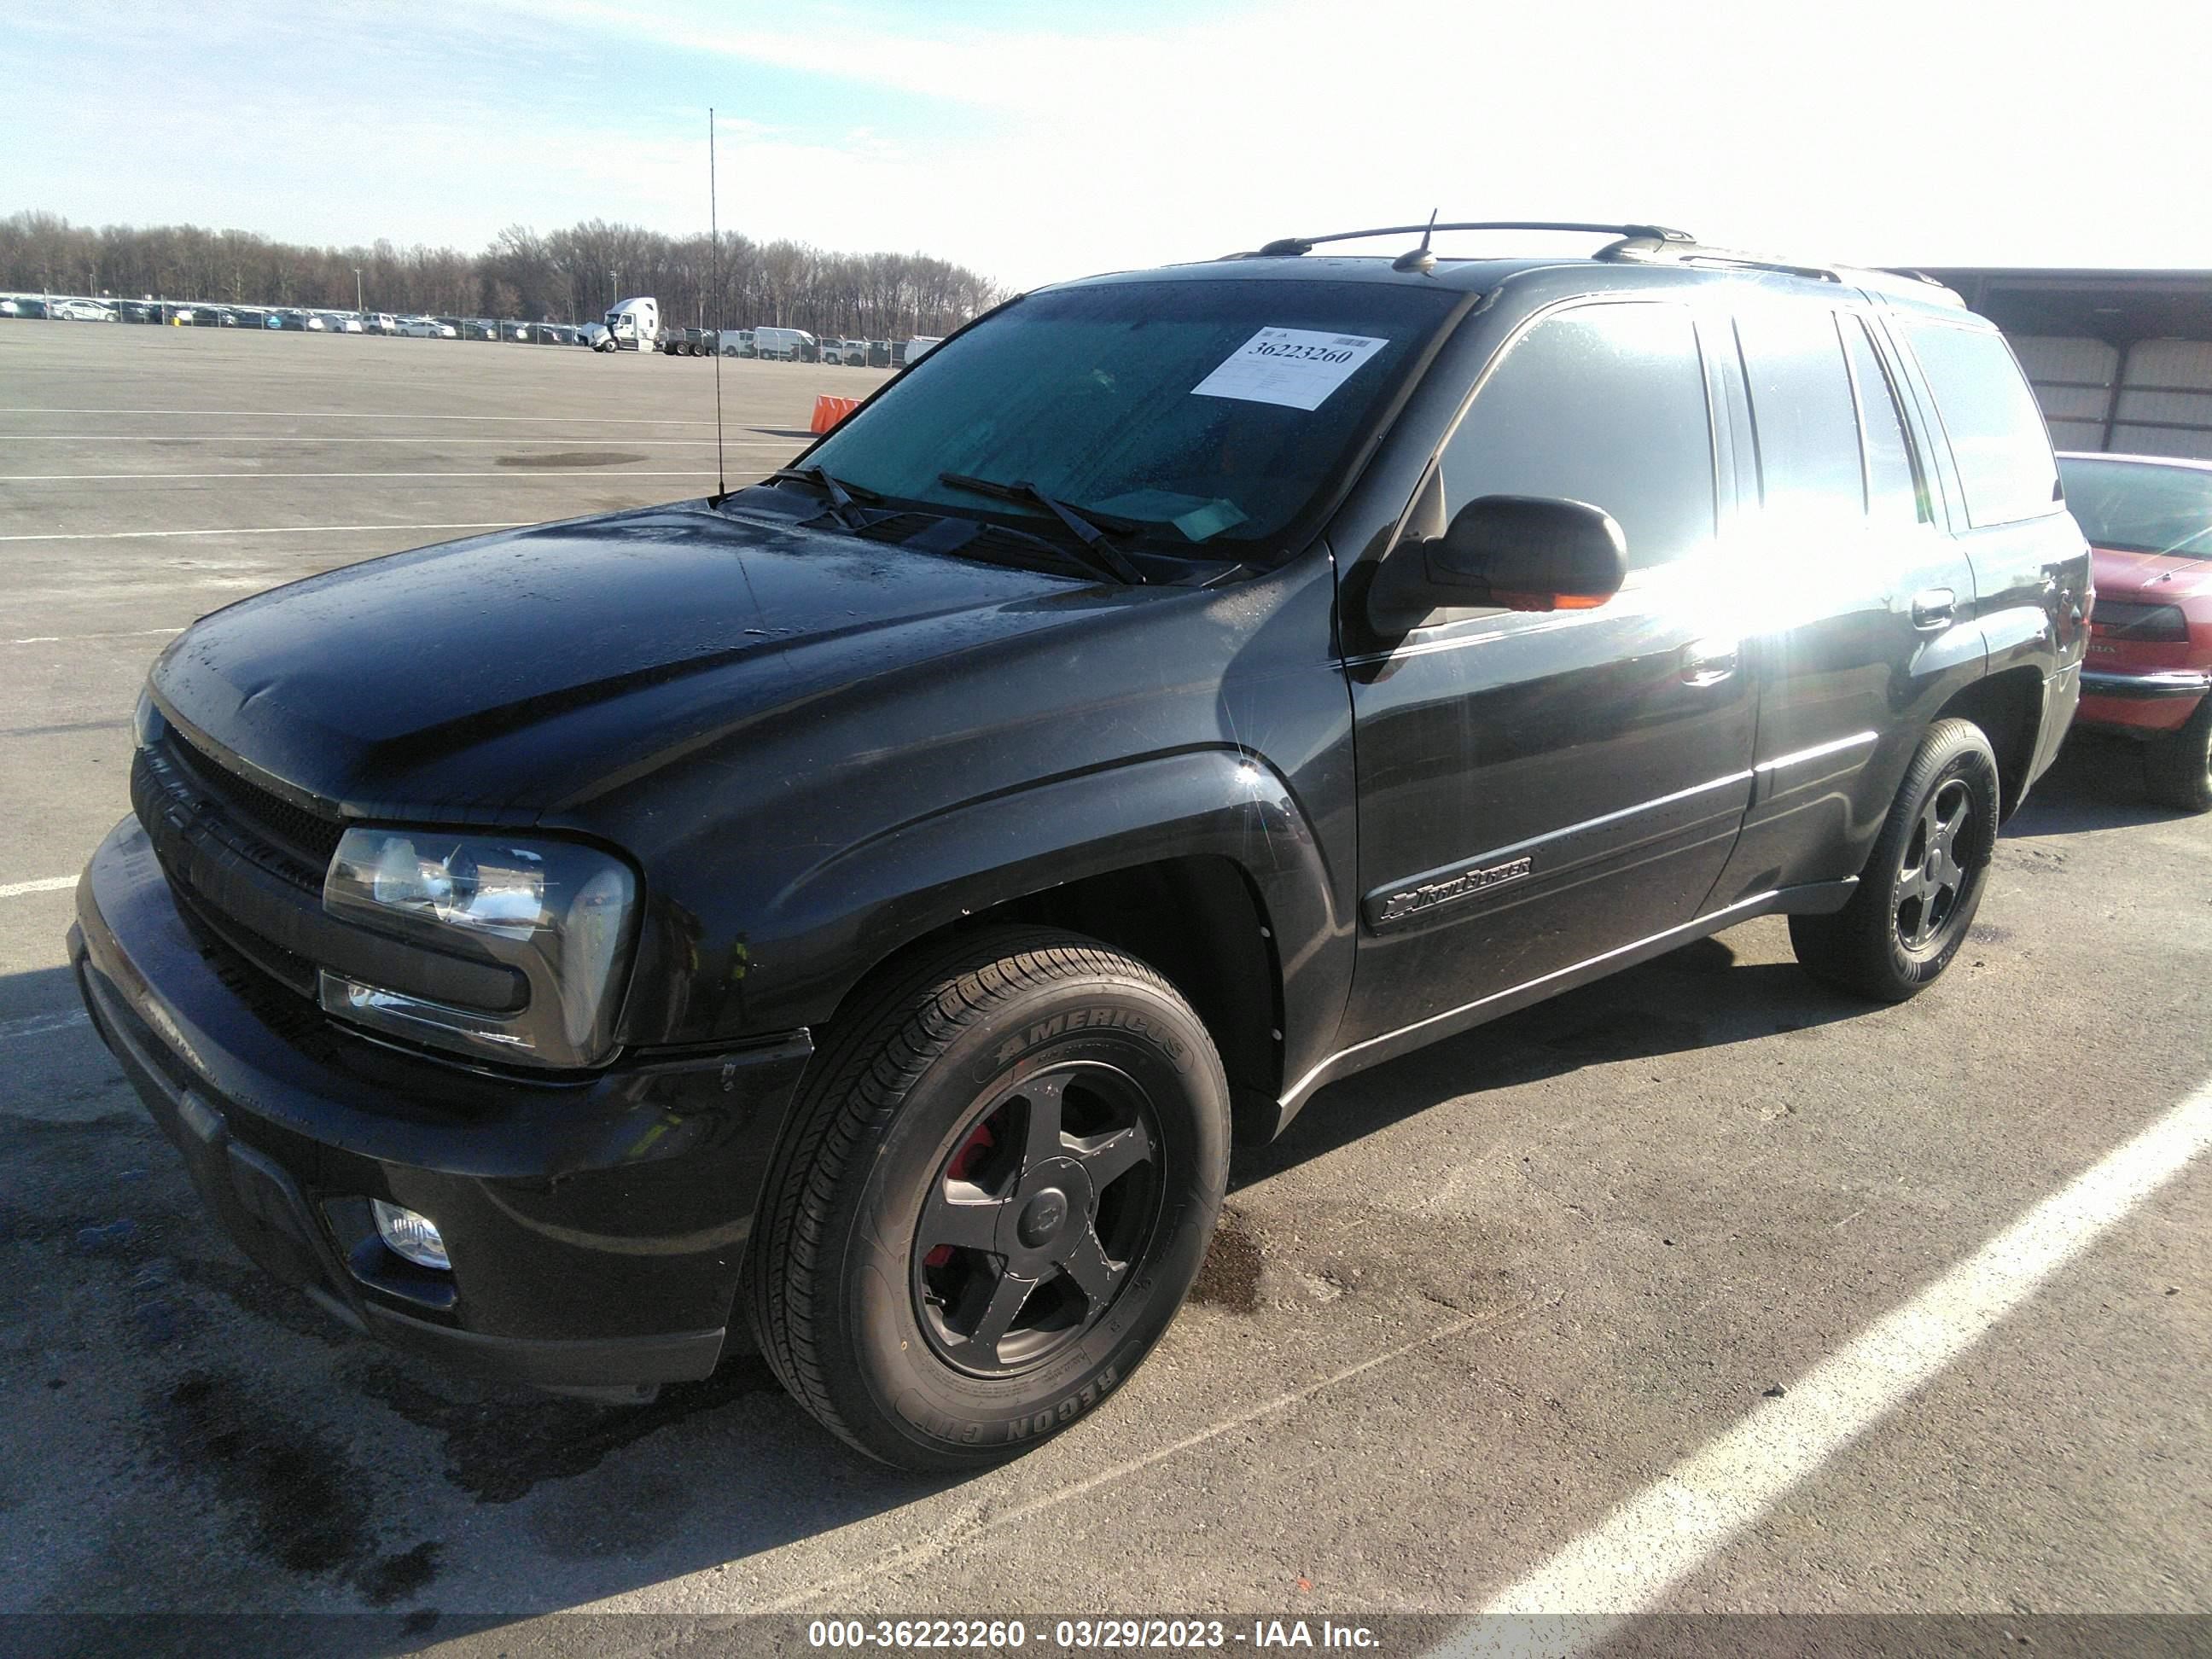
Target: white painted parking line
[71, 639]
[891, 1558]
[43, 884]
[272, 530]
[41, 1026]
[1628, 1562]
[358, 415]
[518, 473]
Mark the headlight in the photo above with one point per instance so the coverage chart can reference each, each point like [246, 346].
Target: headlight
[558, 913]
[147, 725]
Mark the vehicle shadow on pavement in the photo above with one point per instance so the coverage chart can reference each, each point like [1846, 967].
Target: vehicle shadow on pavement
[2096, 783]
[1698, 997]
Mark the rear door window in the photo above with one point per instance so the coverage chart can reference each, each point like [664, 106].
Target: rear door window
[1989, 418]
[1604, 404]
[1803, 414]
[1894, 492]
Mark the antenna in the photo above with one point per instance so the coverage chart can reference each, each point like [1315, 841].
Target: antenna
[715, 276]
[1419, 258]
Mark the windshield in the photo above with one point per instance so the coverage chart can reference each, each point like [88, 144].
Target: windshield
[2138, 506]
[1198, 411]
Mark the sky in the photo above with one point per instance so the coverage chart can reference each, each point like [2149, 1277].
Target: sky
[1046, 140]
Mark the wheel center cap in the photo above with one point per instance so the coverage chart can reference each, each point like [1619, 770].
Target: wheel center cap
[1042, 1217]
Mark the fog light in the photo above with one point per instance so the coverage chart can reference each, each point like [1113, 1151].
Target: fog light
[408, 1235]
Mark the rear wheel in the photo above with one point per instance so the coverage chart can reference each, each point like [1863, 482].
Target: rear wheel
[2177, 764]
[1917, 895]
[993, 1199]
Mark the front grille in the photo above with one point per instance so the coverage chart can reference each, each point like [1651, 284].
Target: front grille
[260, 811]
[246, 866]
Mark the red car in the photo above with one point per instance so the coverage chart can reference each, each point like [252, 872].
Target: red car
[2149, 666]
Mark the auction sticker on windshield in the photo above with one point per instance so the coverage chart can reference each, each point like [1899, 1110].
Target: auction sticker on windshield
[1297, 367]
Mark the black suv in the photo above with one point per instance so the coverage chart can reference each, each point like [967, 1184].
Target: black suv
[861, 906]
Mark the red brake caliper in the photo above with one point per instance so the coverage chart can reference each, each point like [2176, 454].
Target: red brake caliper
[969, 1155]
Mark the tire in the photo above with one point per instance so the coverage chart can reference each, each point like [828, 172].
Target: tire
[2177, 764]
[1923, 883]
[1019, 1115]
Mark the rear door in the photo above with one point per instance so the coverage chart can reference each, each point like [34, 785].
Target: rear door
[2031, 563]
[1858, 605]
[1539, 789]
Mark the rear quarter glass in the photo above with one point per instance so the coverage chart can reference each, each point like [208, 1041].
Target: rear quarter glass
[1989, 418]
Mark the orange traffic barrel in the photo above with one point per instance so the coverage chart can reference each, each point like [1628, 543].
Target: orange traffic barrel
[829, 411]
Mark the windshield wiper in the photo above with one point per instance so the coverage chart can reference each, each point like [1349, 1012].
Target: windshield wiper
[843, 497]
[1104, 556]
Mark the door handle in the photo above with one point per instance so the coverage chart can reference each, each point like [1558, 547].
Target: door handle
[1708, 662]
[1933, 607]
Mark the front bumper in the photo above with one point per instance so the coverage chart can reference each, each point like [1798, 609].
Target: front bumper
[2152, 700]
[596, 1227]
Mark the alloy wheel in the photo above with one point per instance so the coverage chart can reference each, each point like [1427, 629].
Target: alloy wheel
[1036, 1220]
[1931, 879]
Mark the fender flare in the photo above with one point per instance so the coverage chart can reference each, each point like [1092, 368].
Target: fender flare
[901, 885]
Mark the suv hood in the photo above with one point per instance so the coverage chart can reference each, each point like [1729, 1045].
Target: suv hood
[439, 676]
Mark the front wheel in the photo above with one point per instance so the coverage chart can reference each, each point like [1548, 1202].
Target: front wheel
[996, 1192]
[2177, 764]
[1918, 892]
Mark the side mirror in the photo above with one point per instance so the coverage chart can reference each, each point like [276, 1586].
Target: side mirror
[1527, 553]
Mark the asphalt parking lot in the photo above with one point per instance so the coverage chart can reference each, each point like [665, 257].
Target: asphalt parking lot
[1672, 1294]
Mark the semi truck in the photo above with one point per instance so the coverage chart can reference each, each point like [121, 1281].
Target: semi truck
[634, 324]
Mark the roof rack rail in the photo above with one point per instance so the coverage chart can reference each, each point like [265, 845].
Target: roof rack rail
[1637, 250]
[1291, 247]
[1650, 250]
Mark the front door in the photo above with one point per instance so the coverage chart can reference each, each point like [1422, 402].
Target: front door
[1538, 790]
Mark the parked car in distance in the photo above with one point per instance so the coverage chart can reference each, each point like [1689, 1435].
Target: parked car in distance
[879, 354]
[82, 311]
[912, 352]
[1452, 632]
[22, 306]
[2148, 674]
[738, 342]
[138, 310]
[428, 328]
[788, 345]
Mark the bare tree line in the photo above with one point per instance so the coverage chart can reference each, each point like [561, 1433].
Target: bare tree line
[562, 276]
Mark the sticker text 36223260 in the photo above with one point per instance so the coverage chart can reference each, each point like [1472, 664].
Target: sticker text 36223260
[1297, 368]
